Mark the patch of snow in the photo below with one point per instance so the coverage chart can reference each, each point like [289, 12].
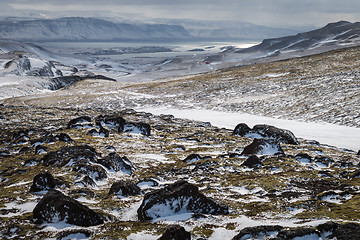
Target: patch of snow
[325, 133]
[222, 233]
[22, 207]
[175, 217]
[156, 157]
[142, 236]
[75, 236]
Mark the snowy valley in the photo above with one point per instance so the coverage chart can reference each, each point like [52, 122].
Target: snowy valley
[202, 140]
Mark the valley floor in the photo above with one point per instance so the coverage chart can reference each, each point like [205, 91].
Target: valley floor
[308, 190]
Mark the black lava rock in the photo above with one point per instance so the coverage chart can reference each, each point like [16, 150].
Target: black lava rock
[264, 131]
[252, 162]
[64, 137]
[116, 163]
[241, 129]
[43, 181]
[95, 171]
[79, 122]
[124, 189]
[40, 149]
[65, 154]
[142, 128]
[111, 121]
[55, 207]
[263, 147]
[175, 232]
[179, 196]
[256, 232]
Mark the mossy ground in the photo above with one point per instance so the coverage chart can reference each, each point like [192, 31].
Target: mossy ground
[283, 183]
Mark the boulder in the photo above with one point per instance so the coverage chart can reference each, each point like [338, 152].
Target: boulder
[111, 121]
[241, 129]
[40, 149]
[67, 155]
[102, 132]
[347, 231]
[64, 137]
[257, 232]
[116, 163]
[179, 197]
[358, 153]
[56, 207]
[252, 161]
[79, 122]
[264, 131]
[141, 128]
[45, 139]
[96, 172]
[124, 188]
[263, 147]
[175, 232]
[303, 233]
[43, 181]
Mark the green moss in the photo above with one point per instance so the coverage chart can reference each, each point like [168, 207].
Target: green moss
[205, 230]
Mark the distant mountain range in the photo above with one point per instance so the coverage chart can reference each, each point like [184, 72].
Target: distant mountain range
[333, 35]
[100, 29]
[228, 30]
[89, 29]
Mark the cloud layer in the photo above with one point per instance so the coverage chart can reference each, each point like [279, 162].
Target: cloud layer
[266, 12]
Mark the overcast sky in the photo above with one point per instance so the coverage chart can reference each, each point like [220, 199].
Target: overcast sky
[264, 12]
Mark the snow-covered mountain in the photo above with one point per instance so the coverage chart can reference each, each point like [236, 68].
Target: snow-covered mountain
[77, 28]
[337, 34]
[208, 29]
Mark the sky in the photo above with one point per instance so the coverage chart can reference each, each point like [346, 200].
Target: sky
[263, 12]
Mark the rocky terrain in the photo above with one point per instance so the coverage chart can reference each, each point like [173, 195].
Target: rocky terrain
[77, 162]
[318, 88]
[93, 173]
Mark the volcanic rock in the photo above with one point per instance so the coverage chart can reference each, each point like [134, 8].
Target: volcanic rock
[263, 147]
[65, 154]
[124, 188]
[79, 122]
[179, 197]
[241, 129]
[43, 181]
[252, 162]
[142, 128]
[116, 163]
[256, 232]
[111, 121]
[175, 232]
[264, 131]
[56, 207]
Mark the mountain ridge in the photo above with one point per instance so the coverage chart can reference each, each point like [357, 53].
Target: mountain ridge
[79, 28]
[338, 33]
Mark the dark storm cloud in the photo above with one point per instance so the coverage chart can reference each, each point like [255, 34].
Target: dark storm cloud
[270, 12]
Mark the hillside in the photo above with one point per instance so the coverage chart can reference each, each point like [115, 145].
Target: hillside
[334, 34]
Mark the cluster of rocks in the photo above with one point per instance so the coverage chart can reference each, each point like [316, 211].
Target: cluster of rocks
[104, 124]
[160, 200]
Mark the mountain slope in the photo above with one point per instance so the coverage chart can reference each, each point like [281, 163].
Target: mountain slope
[76, 28]
[334, 34]
[208, 29]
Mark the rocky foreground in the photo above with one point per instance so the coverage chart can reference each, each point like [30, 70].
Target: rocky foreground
[95, 174]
